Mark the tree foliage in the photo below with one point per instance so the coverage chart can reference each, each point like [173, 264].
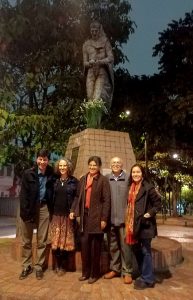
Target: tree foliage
[162, 105]
[175, 49]
[41, 79]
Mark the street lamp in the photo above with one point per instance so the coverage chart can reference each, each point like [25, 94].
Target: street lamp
[125, 114]
[175, 155]
[180, 206]
[165, 197]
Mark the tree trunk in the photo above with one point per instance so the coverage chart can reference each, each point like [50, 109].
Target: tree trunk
[174, 199]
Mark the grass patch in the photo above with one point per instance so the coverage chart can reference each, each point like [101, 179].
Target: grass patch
[5, 242]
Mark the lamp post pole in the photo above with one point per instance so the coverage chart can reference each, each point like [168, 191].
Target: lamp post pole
[165, 198]
[145, 149]
[180, 198]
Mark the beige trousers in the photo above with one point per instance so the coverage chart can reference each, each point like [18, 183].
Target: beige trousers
[41, 224]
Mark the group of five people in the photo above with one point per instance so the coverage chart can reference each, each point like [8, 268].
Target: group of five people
[122, 206]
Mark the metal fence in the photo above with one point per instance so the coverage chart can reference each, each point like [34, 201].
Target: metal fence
[9, 206]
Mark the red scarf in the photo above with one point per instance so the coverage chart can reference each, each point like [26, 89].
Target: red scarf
[88, 188]
[133, 191]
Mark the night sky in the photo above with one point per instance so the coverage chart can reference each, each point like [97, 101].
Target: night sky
[151, 17]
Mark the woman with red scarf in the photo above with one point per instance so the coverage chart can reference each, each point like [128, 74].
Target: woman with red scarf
[143, 204]
[92, 205]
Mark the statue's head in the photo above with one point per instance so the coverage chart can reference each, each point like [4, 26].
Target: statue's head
[95, 28]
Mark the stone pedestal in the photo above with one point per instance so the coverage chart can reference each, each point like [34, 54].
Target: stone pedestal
[166, 253]
[103, 143]
[73, 262]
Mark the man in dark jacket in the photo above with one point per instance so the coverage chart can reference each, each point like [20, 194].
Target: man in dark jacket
[35, 203]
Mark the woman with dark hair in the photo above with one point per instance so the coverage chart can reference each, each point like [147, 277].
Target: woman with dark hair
[62, 229]
[143, 204]
[92, 205]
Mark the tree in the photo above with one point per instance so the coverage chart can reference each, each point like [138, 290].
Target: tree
[171, 175]
[41, 82]
[144, 98]
[175, 49]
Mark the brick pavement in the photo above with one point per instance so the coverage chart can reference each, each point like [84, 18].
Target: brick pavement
[176, 285]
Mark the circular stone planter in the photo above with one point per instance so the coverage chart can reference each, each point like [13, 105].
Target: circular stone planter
[166, 253]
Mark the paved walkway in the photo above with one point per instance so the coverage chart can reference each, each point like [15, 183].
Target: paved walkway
[7, 227]
[175, 286]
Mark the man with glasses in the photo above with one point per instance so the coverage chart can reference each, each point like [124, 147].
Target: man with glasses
[120, 253]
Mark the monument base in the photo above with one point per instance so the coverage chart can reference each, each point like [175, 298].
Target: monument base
[100, 142]
[166, 253]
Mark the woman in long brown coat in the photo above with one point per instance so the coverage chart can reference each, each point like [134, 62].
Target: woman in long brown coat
[92, 205]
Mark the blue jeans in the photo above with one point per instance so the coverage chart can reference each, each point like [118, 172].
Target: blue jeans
[144, 260]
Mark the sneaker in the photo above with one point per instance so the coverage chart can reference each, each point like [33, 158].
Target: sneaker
[25, 272]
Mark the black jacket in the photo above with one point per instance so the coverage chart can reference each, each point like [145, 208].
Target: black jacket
[147, 200]
[72, 183]
[29, 193]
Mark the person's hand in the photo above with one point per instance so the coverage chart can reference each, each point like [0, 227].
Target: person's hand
[147, 215]
[98, 62]
[71, 216]
[103, 225]
[30, 221]
[91, 62]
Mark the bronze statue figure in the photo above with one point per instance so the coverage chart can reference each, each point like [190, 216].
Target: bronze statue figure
[98, 65]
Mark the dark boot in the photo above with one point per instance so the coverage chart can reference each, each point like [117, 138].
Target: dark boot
[59, 269]
[57, 260]
[62, 259]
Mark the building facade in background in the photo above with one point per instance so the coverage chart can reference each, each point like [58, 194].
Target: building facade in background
[9, 185]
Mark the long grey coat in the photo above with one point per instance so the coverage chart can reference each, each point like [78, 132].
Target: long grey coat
[99, 205]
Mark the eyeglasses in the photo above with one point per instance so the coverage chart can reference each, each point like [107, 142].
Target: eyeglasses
[116, 163]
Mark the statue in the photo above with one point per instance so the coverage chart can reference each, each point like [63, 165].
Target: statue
[98, 65]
